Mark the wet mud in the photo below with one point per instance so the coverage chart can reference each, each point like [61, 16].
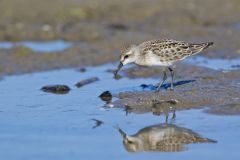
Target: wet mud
[195, 87]
[20, 59]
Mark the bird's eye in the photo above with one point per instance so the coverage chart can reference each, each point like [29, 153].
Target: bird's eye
[130, 142]
[126, 56]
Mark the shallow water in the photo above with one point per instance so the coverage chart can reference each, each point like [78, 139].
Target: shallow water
[217, 64]
[38, 125]
[39, 46]
[237, 25]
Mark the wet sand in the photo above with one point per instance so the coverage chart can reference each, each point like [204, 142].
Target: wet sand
[195, 87]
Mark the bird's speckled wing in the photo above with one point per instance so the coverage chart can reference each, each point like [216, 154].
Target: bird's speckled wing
[171, 50]
[176, 140]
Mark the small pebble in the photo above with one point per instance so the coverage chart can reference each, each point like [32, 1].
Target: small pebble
[82, 70]
[106, 96]
[57, 89]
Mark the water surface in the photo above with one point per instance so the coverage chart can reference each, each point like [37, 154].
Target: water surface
[237, 25]
[39, 46]
[217, 64]
[38, 125]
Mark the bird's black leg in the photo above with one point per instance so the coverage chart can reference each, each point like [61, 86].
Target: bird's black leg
[174, 114]
[163, 80]
[172, 75]
[166, 118]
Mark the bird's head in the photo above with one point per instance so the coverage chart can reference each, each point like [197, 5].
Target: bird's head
[131, 143]
[129, 54]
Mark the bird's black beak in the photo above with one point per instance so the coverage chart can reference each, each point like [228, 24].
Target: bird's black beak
[123, 134]
[118, 69]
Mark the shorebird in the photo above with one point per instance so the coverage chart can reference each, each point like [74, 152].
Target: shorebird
[161, 52]
[162, 137]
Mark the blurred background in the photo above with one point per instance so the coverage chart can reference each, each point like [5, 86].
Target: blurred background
[73, 33]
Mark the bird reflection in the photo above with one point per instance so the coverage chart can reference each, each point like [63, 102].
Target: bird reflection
[162, 138]
[165, 107]
[98, 123]
[127, 109]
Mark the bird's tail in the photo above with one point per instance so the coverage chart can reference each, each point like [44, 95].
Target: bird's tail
[206, 140]
[198, 47]
[211, 140]
[207, 44]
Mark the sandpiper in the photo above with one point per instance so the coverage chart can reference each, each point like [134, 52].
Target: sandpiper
[160, 52]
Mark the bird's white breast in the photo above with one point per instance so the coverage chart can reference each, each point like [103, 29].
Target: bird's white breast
[151, 59]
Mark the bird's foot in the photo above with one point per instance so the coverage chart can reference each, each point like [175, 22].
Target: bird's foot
[174, 116]
[171, 88]
[158, 89]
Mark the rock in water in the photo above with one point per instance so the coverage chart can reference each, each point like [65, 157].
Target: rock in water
[57, 89]
[86, 81]
[106, 96]
[82, 69]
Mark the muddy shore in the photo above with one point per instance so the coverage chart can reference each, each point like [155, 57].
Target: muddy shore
[99, 26]
[195, 87]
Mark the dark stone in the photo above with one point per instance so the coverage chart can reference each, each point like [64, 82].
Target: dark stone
[82, 69]
[106, 96]
[86, 81]
[57, 89]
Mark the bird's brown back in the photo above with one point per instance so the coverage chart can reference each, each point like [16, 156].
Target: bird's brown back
[171, 50]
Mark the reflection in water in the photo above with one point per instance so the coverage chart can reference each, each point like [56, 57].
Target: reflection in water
[165, 107]
[98, 123]
[127, 109]
[162, 138]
